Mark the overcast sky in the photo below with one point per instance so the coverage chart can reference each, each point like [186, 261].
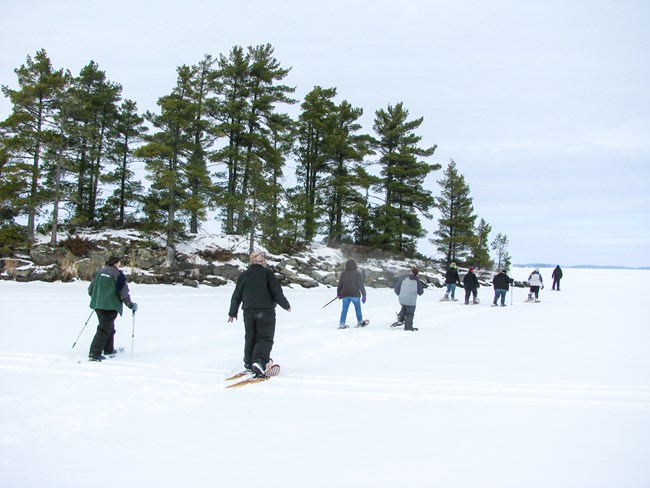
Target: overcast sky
[543, 105]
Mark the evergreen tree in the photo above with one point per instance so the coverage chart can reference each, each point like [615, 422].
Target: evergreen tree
[230, 119]
[166, 155]
[94, 102]
[347, 177]
[59, 160]
[249, 88]
[129, 132]
[12, 177]
[396, 222]
[262, 160]
[277, 224]
[201, 88]
[316, 124]
[28, 131]
[500, 245]
[480, 252]
[455, 234]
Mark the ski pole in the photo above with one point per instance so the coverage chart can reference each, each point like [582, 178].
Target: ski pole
[82, 330]
[332, 300]
[132, 334]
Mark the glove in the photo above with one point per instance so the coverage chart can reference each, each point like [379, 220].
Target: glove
[363, 300]
[134, 307]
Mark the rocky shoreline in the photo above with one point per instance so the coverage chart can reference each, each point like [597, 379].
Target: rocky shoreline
[208, 260]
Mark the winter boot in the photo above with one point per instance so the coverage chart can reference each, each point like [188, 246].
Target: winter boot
[258, 371]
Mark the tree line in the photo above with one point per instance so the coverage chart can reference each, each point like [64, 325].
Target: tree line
[221, 142]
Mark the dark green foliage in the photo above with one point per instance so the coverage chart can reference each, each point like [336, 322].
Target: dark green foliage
[93, 107]
[397, 223]
[28, 131]
[257, 137]
[480, 251]
[12, 237]
[71, 148]
[455, 235]
[128, 133]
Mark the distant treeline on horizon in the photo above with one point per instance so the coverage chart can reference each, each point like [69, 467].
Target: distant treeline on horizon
[579, 266]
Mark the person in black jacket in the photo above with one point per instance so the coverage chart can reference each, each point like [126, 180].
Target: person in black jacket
[452, 278]
[259, 291]
[471, 284]
[557, 276]
[501, 284]
[351, 290]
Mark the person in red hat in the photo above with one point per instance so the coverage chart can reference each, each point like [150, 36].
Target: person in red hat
[471, 284]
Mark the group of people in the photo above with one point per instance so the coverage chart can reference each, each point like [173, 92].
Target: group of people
[258, 291]
[257, 288]
[408, 288]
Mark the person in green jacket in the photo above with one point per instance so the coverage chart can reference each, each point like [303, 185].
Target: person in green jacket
[108, 293]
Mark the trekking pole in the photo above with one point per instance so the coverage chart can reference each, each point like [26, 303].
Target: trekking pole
[332, 300]
[132, 334]
[82, 330]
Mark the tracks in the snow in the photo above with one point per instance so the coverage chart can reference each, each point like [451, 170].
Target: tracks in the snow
[625, 397]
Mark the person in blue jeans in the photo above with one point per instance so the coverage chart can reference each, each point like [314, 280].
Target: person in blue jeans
[452, 278]
[501, 283]
[351, 290]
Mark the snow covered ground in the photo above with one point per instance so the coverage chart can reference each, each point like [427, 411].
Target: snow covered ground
[554, 394]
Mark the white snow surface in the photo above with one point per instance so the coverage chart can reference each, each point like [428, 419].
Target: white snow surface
[550, 394]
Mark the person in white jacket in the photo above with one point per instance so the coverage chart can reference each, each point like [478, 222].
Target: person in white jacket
[536, 283]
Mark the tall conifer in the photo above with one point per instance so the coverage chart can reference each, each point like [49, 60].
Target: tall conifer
[455, 234]
[397, 223]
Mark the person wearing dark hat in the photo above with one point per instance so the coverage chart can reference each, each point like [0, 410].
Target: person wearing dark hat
[259, 291]
[452, 278]
[408, 289]
[557, 276]
[108, 292]
[471, 284]
[501, 283]
[351, 291]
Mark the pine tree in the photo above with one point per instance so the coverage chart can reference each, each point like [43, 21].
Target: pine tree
[129, 132]
[201, 84]
[28, 131]
[249, 88]
[230, 119]
[166, 154]
[480, 252]
[500, 245]
[396, 222]
[347, 177]
[456, 224]
[316, 124]
[59, 164]
[277, 222]
[94, 102]
[262, 159]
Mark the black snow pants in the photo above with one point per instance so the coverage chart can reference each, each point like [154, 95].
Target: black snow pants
[105, 335]
[258, 340]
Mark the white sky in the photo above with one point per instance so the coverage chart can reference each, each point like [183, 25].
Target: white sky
[544, 105]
